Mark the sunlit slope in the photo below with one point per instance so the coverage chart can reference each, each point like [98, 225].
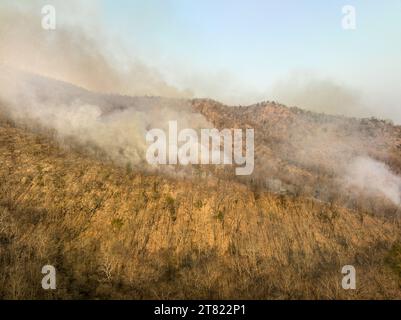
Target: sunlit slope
[116, 233]
[317, 155]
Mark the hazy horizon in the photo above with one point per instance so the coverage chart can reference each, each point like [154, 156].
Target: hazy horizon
[130, 168]
[233, 52]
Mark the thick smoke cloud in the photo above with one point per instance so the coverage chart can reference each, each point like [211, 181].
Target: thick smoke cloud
[114, 124]
[374, 178]
[78, 51]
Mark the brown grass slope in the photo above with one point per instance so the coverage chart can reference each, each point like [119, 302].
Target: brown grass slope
[298, 152]
[112, 233]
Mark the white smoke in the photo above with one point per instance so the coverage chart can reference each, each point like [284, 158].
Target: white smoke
[374, 178]
[79, 51]
[115, 124]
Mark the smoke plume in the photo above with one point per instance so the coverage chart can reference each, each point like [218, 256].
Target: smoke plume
[78, 51]
[374, 178]
[114, 124]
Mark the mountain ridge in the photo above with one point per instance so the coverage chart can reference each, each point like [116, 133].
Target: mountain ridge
[114, 229]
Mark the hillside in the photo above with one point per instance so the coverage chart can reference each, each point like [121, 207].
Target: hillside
[304, 153]
[113, 228]
[117, 234]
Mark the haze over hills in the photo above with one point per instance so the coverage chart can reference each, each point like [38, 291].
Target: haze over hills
[296, 151]
[302, 152]
[77, 192]
[85, 86]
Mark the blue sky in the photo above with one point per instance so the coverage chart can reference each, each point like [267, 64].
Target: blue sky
[241, 52]
[258, 41]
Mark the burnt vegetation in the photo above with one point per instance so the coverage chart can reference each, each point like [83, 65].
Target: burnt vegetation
[114, 231]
